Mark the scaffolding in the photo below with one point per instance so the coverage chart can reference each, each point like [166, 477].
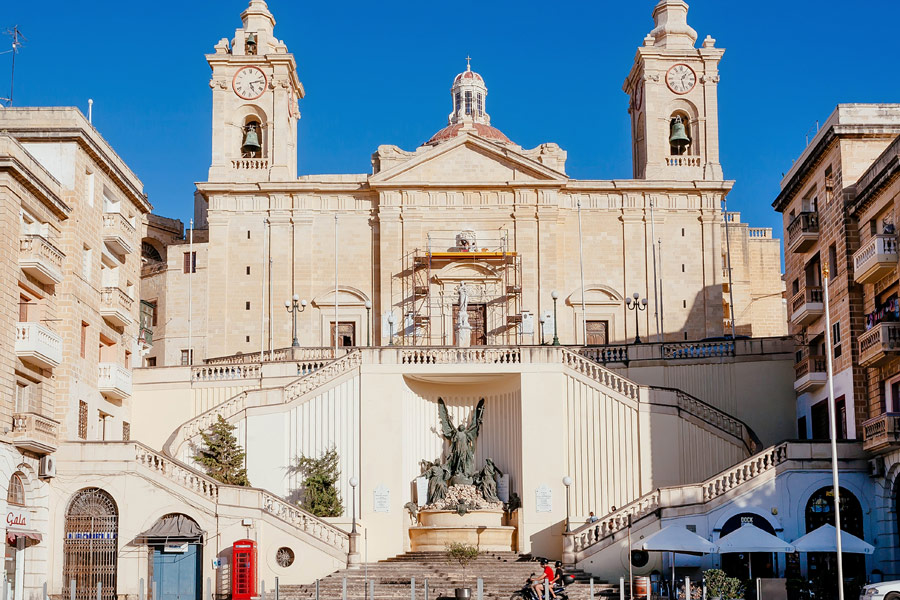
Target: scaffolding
[428, 292]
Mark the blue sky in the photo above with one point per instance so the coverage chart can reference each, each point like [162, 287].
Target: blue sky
[380, 72]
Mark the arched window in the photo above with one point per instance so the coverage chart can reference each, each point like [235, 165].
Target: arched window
[251, 139]
[16, 493]
[821, 568]
[681, 140]
[149, 252]
[91, 544]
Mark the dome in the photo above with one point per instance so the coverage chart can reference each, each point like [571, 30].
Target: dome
[468, 96]
[479, 129]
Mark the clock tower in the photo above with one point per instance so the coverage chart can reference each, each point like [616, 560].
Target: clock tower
[255, 90]
[673, 101]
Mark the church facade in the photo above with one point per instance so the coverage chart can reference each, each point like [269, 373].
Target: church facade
[380, 258]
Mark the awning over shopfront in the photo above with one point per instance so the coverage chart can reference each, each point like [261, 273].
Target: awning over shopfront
[13, 534]
[173, 528]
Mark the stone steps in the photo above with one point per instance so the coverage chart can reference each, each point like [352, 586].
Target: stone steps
[503, 574]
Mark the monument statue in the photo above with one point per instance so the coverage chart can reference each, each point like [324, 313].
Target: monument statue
[438, 476]
[461, 460]
[463, 317]
[486, 481]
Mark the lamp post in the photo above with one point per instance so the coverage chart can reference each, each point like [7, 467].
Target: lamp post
[295, 305]
[555, 295]
[368, 322]
[353, 483]
[637, 304]
[542, 320]
[567, 481]
[390, 320]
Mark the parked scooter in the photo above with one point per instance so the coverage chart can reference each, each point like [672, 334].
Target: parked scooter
[527, 592]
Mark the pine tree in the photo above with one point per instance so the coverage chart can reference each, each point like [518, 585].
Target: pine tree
[318, 493]
[221, 456]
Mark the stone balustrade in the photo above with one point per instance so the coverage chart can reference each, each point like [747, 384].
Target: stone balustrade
[251, 164]
[879, 344]
[306, 522]
[882, 433]
[684, 350]
[452, 355]
[683, 161]
[38, 345]
[600, 374]
[115, 306]
[226, 372]
[280, 355]
[875, 259]
[118, 232]
[114, 381]
[41, 259]
[606, 354]
[34, 432]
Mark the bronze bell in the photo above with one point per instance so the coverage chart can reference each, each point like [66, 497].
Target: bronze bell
[251, 44]
[251, 141]
[679, 136]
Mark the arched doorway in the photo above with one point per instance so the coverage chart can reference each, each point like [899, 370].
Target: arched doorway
[737, 564]
[176, 543]
[91, 544]
[822, 566]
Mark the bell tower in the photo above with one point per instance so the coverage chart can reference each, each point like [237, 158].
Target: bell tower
[673, 101]
[255, 93]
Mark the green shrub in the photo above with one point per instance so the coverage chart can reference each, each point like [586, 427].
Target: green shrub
[719, 585]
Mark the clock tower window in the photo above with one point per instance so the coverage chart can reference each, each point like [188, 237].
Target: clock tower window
[681, 140]
[250, 45]
[251, 140]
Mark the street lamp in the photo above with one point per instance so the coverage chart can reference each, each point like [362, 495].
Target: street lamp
[353, 483]
[294, 306]
[390, 320]
[554, 294]
[637, 304]
[567, 481]
[543, 320]
[368, 322]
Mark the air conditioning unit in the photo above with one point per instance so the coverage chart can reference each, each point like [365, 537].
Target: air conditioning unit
[876, 467]
[47, 468]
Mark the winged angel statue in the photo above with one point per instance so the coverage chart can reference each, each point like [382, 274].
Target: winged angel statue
[461, 461]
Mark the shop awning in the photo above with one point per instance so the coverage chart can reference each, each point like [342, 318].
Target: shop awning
[12, 534]
[171, 528]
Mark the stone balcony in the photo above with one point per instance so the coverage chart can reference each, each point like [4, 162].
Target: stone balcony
[35, 433]
[809, 373]
[40, 259]
[807, 305]
[38, 346]
[115, 306]
[875, 259]
[882, 433]
[250, 164]
[118, 233]
[114, 381]
[682, 161]
[878, 344]
[803, 232]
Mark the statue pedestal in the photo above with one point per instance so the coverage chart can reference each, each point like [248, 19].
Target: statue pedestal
[464, 336]
[486, 529]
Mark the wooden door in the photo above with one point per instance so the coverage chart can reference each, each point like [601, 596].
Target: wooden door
[346, 334]
[597, 333]
[477, 321]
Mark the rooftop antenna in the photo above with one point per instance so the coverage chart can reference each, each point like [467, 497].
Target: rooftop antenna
[17, 39]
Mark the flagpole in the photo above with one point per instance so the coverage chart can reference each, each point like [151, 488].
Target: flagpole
[336, 328]
[191, 267]
[832, 413]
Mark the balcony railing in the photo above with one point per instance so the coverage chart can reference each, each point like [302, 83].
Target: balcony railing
[683, 161]
[882, 433]
[37, 345]
[878, 344]
[807, 305]
[115, 306]
[250, 163]
[34, 432]
[118, 233]
[40, 259]
[114, 381]
[809, 373]
[803, 231]
[876, 259]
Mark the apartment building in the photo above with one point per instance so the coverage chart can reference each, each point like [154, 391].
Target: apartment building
[819, 229]
[70, 273]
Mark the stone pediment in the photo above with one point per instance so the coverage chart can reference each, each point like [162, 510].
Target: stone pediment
[467, 160]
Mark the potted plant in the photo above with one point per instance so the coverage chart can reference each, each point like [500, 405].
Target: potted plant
[463, 554]
[721, 586]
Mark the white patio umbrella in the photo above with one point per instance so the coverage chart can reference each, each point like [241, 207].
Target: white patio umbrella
[824, 539]
[750, 538]
[675, 538]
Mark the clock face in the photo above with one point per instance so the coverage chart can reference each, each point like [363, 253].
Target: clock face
[681, 79]
[249, 83]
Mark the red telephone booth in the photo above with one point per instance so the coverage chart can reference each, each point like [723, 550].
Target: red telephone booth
[243, 570]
